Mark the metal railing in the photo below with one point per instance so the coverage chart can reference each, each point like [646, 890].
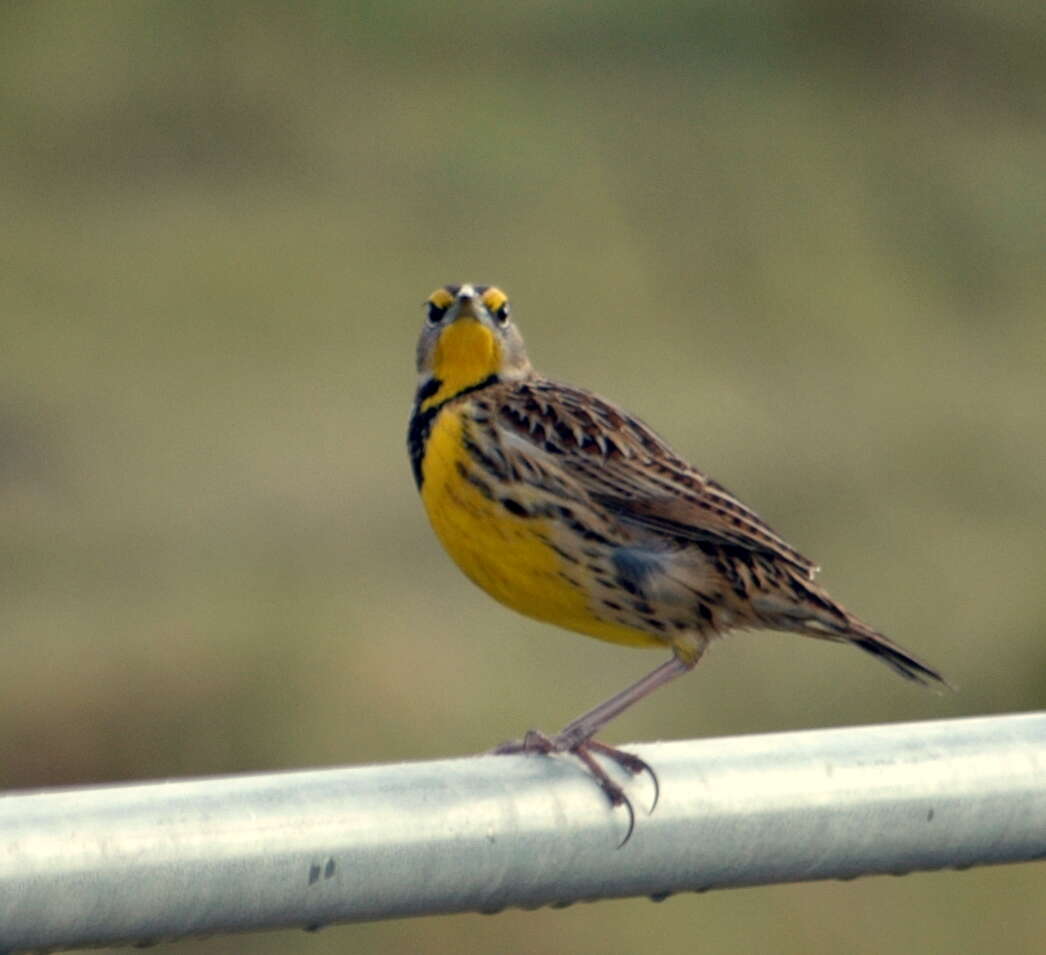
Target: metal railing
[162, 860]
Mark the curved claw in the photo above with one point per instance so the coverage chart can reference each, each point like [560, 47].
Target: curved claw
[612, 790]
[631, 763]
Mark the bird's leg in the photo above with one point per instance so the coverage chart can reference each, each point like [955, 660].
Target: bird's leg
[588, 724]
[576, 736]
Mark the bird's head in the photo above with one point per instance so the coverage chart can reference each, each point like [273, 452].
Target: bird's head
[468, 339]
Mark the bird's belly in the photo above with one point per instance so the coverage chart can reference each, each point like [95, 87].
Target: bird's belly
[509, 556]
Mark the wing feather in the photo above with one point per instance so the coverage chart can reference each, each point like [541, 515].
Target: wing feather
[626, 468]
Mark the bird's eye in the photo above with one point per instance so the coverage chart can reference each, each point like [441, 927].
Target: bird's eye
[435, 312]
[501, 313]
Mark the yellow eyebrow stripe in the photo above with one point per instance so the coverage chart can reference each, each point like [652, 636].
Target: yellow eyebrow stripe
[494, 298]
[442, 298]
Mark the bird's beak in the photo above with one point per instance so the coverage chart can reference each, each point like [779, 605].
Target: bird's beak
[467, 304]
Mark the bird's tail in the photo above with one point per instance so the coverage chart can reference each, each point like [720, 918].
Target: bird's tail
[816, 614]
[894, 656]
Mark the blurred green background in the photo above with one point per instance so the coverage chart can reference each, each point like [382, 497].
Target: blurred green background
[803, 239]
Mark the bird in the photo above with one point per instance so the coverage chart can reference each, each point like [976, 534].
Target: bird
[568, 509]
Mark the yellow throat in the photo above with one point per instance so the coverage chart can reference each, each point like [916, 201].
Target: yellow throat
[467, 353]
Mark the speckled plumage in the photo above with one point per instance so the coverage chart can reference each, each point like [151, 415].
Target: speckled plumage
[568, 509]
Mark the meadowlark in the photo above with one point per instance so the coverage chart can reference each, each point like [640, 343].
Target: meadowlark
[568, 509]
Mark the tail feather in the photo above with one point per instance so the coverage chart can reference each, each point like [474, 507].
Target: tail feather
[817, 614]
[897, 658]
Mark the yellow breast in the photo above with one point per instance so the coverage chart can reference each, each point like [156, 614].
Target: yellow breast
[506, 555]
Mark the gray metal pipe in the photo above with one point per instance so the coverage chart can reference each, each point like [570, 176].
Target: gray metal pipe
[170, 859]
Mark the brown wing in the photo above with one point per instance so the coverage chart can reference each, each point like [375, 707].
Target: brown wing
[630, 471]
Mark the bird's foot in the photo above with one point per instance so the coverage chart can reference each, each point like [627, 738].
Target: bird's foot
[534, 741]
